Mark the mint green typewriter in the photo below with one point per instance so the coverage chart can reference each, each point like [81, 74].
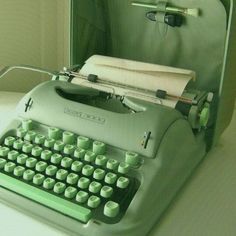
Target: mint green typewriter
[103, 148]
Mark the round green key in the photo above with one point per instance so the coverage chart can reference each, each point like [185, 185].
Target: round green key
[83, 142]
[106, 191]
[12, 155]
[99, 147]
[19, 171]
[49, 183]
[70, 192]
[89, 156]
[69, 149]
[79, 153]
[59, 188]
[31, 162]
[87, 170]
[4, 151]
[54, 133]
[21, 159]
[46, 155]
[111, 209]
[39, 139]
[51, 170]
[56, 158]
[68, 137]
[9, 167]
[72, 178]
[83, 183]
[49, 142]
[27, 147]
[66, 162]
[27, 124]
[9, 141]
[61, 174]
[77, 166]
[99, 174]
[30, 136]
[2, 163]
[18, 144]
[101, 160]
[28, 175]
[82, 196]
[21, 132]
[38, 179]
[112, 164]
[94, 201]
[58, 145]
[95, 187]
[132, 158]
[41, 166]
[110, 178]
[36, 151]
[122, 182]
[123, 168]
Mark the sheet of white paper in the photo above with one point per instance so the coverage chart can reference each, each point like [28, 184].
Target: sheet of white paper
[141, 75]
[136, 65]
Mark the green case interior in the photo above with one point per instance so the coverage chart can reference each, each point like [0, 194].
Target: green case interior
[203, 44]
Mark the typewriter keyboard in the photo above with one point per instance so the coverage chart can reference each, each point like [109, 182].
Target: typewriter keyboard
[69, 173]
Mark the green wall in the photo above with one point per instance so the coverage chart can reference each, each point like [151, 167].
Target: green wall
[34, 33]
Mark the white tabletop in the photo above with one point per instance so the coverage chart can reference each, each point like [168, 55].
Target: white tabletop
[206, 206]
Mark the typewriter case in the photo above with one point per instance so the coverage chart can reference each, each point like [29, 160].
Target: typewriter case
[204, 44]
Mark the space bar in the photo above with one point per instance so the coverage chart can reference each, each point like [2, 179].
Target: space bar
[78, 212]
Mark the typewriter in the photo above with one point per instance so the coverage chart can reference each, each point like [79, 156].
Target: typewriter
[103, 148]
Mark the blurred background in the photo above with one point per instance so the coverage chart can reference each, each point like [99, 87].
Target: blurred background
[33, 33]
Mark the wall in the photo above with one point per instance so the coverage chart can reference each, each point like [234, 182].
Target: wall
[34, 33]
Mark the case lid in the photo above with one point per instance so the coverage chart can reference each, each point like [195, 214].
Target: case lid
[202, 44]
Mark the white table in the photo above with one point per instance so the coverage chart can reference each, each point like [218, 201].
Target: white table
[206, 206]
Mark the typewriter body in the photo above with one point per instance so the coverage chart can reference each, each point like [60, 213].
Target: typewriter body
[93, 154]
